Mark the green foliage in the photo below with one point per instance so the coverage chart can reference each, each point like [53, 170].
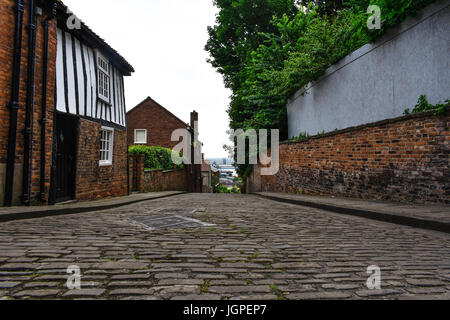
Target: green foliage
[222, 189]
[423, 106]
[155, 157]
[267, 50]
[301, 136]
[237, 33]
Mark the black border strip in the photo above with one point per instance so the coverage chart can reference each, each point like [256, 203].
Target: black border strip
[385, 217]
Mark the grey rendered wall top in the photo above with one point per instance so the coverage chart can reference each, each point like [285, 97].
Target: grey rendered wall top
[380, 80]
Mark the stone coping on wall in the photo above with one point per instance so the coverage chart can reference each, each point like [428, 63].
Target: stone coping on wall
[369, 125]
[406, 25]
[162, 170]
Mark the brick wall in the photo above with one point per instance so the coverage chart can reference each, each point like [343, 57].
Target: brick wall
[94, 181]
[142, 180]
[404, 159]
[159, 180]
[136, 169]
[7, 23]
[158, 121]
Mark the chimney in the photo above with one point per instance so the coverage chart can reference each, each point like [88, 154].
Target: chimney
[194, 118]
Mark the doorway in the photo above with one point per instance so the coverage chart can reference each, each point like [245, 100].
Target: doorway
[66, 153]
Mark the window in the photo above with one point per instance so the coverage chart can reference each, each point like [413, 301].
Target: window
[140, 136]
[103, 69]
[106, 146]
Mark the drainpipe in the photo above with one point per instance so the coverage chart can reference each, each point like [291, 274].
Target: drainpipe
[28, 131]
[44, 102]
[194, 166]
[14, 105]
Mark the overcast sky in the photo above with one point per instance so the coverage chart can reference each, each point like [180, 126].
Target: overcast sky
[164, 40]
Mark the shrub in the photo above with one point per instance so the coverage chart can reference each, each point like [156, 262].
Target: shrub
[302, 136]
[155, 157]
[222, 189]
[423, 106]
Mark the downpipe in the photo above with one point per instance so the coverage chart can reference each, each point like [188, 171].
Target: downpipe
[44, 118]
[14, 105]
[28, 131]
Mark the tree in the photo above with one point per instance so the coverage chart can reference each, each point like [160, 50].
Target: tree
[328, 7]
[237, 33]
[266, 50]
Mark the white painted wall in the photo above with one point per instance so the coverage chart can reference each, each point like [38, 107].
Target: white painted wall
[88, 105]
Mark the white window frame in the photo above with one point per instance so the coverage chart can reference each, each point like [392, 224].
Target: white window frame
[106, 150]
[135, 136]
[103, 77]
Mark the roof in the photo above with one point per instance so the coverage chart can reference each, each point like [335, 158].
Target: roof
[149, 99]
[87, 34]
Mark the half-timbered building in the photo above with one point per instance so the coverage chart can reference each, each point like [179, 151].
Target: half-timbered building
[62, 108]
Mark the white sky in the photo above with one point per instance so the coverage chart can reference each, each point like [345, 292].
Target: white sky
[163, 40]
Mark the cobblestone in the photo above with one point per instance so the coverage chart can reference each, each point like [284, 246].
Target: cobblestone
[8, 285]
[132, 292]
[257, 250]
[84, 293]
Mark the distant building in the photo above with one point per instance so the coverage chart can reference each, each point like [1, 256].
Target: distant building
[149, 123]
[206, 176]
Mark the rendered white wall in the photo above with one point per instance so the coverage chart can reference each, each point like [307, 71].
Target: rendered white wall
[380, 80]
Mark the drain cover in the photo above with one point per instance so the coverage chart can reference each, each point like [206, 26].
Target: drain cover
[168, 222]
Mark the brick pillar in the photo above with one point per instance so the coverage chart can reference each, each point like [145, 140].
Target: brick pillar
[131, 173]
[253, 183]
[137, 167]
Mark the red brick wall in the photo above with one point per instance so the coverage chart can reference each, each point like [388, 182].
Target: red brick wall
[94, 181]
[142, 180]
[404, 159]
[159, 180]
[6, 59]
[7, 33]
[136, 172]
[159, 123]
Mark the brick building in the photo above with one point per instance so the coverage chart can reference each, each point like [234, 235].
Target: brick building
[62, 107]
[149, 123]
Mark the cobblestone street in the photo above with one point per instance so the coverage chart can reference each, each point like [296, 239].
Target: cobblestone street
[204, 246]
